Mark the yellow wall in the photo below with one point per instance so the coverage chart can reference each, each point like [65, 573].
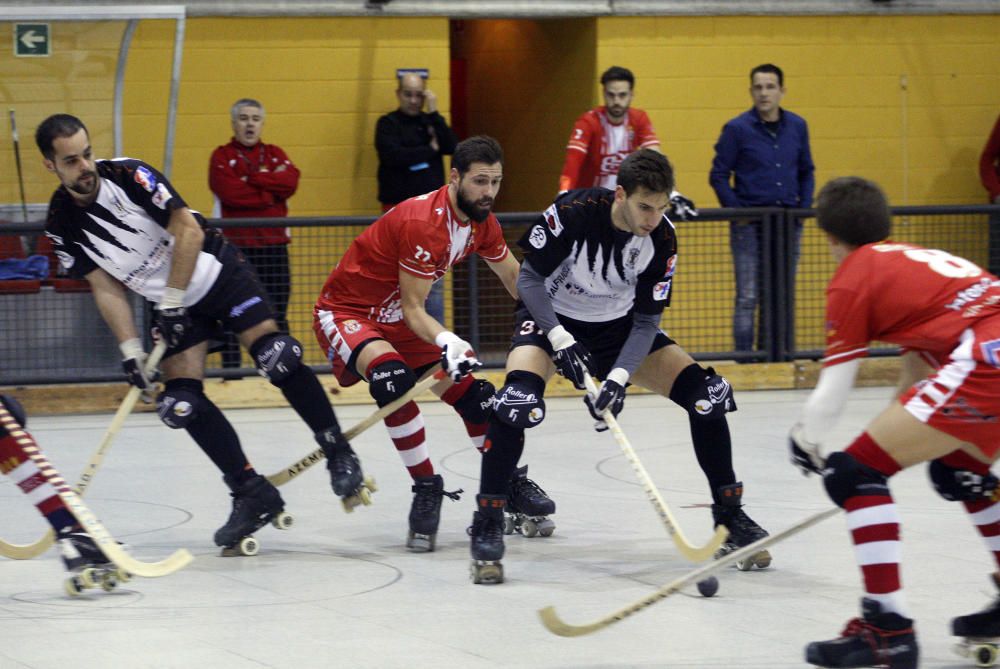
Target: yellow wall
[843, 74]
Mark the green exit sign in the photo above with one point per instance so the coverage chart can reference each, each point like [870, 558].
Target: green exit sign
[32, 39]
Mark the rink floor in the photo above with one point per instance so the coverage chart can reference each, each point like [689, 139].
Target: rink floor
[341, 590]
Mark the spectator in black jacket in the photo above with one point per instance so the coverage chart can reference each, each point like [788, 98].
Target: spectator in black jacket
[410, 143]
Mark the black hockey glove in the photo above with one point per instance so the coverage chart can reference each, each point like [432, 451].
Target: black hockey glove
[681, 207]
[572, 360]
[611, 397]
[134, 364]
[172, 324]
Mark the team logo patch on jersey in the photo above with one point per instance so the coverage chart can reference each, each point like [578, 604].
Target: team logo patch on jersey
[671, 266]
[662, 290]
[551, 216]
[145, 178]
[351, 326]
[537, 237]
[991, 351]
[161, 196]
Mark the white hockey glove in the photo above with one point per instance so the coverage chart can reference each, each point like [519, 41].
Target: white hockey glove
[610, 397]
[134, 364]
[457, 356]
[682, 207]
[805, 455]
[571, 358]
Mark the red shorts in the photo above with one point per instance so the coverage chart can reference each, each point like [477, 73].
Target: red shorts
[962, 397]
[342, 333]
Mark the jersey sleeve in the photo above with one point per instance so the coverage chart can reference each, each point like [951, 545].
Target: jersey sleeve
[148, 188]
[491, 246]
[656, 282]
[645, 135]
[418, 253]
[547, 243]
[847, 326]
[72, 258]
[576, 154]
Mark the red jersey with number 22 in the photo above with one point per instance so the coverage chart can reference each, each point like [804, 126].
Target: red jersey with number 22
[920, 299]
[422, 236]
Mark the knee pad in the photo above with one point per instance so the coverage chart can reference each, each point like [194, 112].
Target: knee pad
[177, 406]
[702, 393]
[15, 409]
[957, 484]
[476, 403]
[844, 478]
[520, 403]
[389, 380]
[277, 356]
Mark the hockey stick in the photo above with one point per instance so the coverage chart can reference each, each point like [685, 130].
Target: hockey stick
[296, 468]
[28, 551]
[555, 624]
[686, 548]
[20, 176]
[88, 521]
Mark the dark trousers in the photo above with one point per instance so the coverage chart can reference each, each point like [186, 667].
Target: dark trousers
[271, 265]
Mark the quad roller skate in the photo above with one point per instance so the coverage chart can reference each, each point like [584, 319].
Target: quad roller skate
[876, 639]
[728, 511]
[346, 478]
[980, 632]
[528, 507]
[425, 512]
[486, 544]
[255, 503]
[87, 564]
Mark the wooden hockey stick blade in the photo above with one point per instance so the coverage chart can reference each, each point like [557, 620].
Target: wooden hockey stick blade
[685, 547]
[87, 520]
[301, 465]
[556, 625]
[29, 551]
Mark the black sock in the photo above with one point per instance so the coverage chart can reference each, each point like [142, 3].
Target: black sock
[714, 449]
[306, 395]
[506, 443]
[212, 431]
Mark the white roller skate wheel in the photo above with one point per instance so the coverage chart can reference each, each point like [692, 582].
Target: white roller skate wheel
[985, 654]
[529, 528]
[73, 586]
[249, 546]
[508, 525]
[745, 565]
[370, 484]
[283, 521]
[365, 496]
[88, 577]
[109, 582]
[123, 576]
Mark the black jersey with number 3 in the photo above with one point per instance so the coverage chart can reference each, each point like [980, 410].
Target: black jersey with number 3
[595, 272]
[123, 231]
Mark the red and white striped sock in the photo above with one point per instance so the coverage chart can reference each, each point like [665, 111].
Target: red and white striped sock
[984, 513]
[476, 431]
[406, 429]
[15, 464]
[873, 520]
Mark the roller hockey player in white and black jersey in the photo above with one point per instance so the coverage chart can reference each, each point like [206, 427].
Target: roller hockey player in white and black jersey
[121, 225]
[597, 275]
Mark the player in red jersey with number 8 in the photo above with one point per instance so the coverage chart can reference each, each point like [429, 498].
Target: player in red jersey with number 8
[944, 311]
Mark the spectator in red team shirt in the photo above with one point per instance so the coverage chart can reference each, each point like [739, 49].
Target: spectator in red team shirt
[944, 312]
[603, 136]
[252, 179]
[989, 174]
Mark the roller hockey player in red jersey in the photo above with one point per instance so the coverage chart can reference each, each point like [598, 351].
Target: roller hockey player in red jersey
[372, 324]
[121, 225]
[87, 565]
[944, 312]
[597, 275]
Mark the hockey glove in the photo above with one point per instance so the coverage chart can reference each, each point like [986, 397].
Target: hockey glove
[611, 397]
[172, 320]
[134, 364]
[681, 207]
[805, 455]
[570, 357]
[457, 356]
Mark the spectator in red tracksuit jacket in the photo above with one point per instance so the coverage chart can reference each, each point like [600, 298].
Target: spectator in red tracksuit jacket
[989, 174]
[251, 179]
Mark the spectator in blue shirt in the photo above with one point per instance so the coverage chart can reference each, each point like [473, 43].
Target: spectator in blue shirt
[765, 152]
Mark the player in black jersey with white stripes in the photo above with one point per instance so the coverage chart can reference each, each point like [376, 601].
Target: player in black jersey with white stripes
[121, 225]
[598, 271]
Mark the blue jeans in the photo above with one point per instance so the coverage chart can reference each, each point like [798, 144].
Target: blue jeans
[745, 244]
[435, 302]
